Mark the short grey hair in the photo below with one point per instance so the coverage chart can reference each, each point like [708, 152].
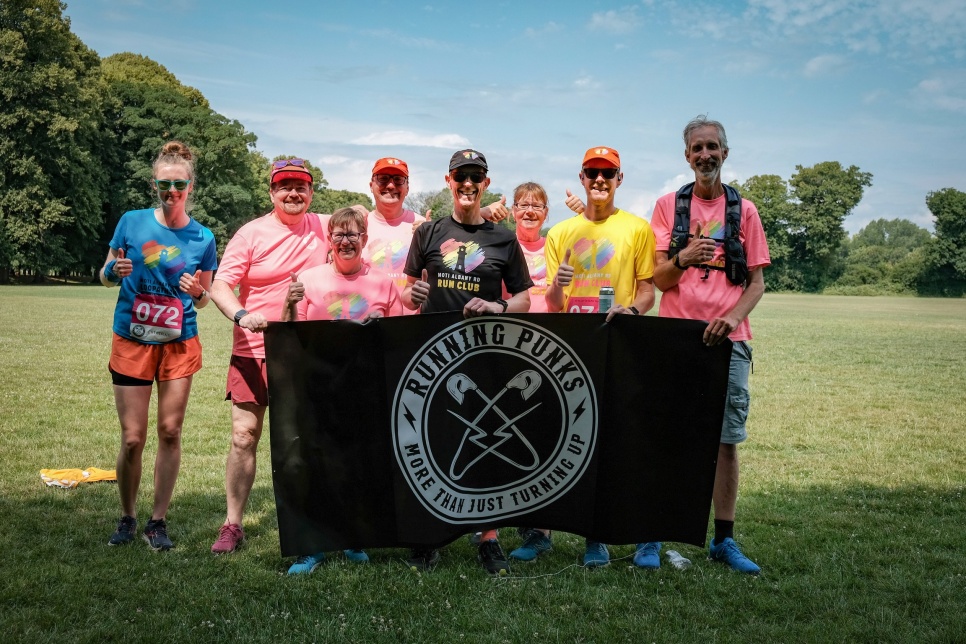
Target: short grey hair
[701, 120]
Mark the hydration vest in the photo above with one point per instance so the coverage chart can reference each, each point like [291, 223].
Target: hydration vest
[736, 266]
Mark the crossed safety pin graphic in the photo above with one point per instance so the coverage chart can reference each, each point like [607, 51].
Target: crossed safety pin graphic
[526, 382]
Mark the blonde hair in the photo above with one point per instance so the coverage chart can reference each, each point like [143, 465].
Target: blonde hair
[174, 153]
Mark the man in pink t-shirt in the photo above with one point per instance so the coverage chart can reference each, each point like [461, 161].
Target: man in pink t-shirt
[260, 259]
[695, 286]
[390, 225]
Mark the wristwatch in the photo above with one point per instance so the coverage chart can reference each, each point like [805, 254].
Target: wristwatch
[239, 315]
[677, 262]
[502, 303]
[633, 309]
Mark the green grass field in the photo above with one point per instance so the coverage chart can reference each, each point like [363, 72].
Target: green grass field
[852, 501]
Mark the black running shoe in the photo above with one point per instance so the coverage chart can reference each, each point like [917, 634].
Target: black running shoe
[492, 557]
[126, 528]
[423, 559]
[156, 534]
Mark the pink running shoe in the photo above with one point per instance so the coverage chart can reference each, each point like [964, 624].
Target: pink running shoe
[229, 538]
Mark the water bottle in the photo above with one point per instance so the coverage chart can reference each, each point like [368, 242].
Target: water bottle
[605, 299]
[678, 561]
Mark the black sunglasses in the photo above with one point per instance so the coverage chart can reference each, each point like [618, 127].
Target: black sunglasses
[609, 173]
[476, 177]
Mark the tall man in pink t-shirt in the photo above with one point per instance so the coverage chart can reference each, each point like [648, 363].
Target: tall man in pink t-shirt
[695, 286]
[390, 225]
[260, 260]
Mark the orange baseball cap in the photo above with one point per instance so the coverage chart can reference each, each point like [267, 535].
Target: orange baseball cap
[601, 158]
[390, 165]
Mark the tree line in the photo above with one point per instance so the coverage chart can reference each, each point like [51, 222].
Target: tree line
[811, 252]
[78, 134]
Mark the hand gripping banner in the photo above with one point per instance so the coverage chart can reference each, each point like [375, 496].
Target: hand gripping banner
[412, 431]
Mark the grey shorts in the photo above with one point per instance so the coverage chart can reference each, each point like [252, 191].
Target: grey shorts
[738, 399]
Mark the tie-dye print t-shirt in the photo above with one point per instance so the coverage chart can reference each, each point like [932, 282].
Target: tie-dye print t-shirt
[616, 252]
[151, 307]
[466, 261]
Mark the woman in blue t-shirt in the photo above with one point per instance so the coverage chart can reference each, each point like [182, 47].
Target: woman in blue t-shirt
[163, 261]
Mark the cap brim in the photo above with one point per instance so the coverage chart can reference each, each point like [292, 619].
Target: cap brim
[301, 175]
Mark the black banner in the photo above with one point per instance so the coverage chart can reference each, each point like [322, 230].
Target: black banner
[412, 431]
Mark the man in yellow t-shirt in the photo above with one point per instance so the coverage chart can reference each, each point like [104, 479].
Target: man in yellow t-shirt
[603, 246]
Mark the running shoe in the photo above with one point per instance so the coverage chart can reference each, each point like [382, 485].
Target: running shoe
[156, 534]
[728, 552]
[596, 554]
[535, 543]
[423, 559]
[306, 564]
[126, 528]
[230, 537]
[492, 558]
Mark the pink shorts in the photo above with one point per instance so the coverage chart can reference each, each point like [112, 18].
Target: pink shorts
[247, 381]
[149, 362]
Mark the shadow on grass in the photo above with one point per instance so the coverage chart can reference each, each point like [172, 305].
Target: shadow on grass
[858, 563]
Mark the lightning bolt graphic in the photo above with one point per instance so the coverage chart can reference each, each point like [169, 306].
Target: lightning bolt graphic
[408, 415]
[579, 411]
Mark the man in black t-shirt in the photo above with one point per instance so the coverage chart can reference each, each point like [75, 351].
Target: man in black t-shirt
[460, 263]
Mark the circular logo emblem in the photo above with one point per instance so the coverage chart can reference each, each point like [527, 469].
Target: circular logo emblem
[492, 419]
[137, 330]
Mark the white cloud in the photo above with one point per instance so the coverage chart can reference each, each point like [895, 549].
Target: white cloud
[549, 28]
[946, 94]
[621, 21]
[405, 137]
[824, 65]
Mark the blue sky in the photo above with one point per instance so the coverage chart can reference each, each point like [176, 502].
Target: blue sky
[876, 84]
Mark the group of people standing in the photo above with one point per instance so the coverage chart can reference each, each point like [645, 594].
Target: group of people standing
[291, 264]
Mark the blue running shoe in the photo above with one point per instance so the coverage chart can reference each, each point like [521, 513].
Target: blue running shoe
[306, 564]
[648, 555]
[729, 553]
[356, 556]
[596, 554]
[534, 544]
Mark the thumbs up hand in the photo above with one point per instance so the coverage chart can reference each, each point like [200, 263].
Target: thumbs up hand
[420, 289]
[496, 211]
[574, 203]
[123, 266]
[565, 272]
[296, 291]
[191, 284]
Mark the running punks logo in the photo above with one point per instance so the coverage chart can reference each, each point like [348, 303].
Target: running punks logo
[492, 419]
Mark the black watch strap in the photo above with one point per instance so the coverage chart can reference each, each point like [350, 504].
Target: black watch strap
[239, 315]
[633, 309]
[502, 303]
[677, 262]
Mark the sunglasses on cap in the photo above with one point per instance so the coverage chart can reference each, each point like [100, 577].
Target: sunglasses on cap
[459, 176]
[591, 173]
[386, 179]
[278, 165]
[167, 184]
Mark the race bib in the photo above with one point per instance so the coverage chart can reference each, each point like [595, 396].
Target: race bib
[156, 318]
[583, 305]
